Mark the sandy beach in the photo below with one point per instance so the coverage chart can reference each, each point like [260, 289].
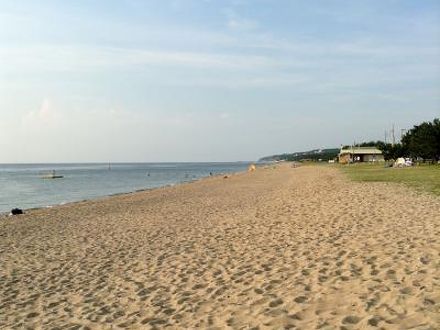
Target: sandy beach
[278, 248]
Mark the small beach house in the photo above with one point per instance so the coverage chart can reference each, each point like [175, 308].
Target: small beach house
[360, 154]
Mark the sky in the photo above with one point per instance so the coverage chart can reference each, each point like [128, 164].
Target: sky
[211, 80]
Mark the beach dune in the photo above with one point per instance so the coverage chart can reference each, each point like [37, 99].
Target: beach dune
[275, 248]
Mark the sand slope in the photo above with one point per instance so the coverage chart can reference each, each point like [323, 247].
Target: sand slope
[281, 248]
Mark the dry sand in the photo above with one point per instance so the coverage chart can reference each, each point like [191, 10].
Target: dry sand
[281, 248]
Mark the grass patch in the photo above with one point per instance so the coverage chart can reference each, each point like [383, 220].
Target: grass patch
[423, 177]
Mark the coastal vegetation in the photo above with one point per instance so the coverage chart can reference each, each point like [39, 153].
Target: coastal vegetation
[422, 142]
[422, 177]
[313, 155]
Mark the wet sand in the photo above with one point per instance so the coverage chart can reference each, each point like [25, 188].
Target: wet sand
[282, 248]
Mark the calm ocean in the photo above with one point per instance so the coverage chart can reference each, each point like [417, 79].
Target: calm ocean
[22, 185]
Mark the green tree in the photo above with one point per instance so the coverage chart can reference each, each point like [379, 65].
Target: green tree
[423, 140]
[390, 151]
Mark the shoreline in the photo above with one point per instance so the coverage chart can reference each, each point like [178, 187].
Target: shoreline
[275, 248]
[7, 213]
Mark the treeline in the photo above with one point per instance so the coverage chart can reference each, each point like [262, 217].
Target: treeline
[422, 142]
[313, 155]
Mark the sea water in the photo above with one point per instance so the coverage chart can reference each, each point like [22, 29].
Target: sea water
[23, 185]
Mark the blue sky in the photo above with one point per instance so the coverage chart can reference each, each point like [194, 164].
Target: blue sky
[207, 80]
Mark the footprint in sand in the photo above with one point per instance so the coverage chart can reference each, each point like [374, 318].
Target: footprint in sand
[351, 319]
[300, 299]
[275, 303]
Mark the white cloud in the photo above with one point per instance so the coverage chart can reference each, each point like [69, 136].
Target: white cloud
[104, 134]
[73, 58]
[45, 112]
[45, 115]
[236, 23]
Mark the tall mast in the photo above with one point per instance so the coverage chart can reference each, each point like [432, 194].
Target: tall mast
[394, 137]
